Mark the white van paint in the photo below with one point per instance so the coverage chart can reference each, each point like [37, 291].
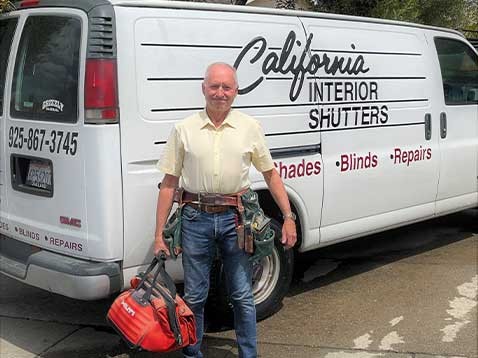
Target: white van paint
[353, 109]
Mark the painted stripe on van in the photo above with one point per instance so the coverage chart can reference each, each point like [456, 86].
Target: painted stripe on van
[291, 78]
[293, 105]
[345, 129]
[308, 147]
[280, 49]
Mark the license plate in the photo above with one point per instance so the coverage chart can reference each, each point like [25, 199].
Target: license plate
[39, 175]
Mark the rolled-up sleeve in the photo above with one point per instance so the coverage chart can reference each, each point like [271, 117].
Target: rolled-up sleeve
[171, 161]
[261, 155]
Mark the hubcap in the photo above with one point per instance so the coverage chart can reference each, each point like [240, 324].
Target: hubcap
[265, 277]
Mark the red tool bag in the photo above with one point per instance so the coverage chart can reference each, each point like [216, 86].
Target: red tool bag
[151, 316]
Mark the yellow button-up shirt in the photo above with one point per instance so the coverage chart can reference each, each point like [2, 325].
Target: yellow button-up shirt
[215, 160]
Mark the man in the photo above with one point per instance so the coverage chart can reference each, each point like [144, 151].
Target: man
[211, 152]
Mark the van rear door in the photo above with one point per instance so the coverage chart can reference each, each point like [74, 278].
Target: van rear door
[62, 175]
[7, 30]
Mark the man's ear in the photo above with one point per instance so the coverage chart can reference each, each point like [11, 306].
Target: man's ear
[203, 86]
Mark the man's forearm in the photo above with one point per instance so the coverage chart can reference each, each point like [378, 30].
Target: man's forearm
[165, 202]
[277, 189]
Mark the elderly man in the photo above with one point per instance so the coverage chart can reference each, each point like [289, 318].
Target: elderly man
[211, 152]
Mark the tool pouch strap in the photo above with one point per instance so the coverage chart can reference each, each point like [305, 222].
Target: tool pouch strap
[240, 222]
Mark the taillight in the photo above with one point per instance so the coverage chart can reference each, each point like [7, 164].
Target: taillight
[28, 3]
[101, 99]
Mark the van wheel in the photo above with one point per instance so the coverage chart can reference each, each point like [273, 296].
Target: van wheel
[271, 277]
[271, 280]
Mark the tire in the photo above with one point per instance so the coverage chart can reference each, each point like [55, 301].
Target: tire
[272, 277]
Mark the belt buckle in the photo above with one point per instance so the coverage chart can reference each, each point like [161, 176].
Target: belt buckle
[200, 195]
[217, 199]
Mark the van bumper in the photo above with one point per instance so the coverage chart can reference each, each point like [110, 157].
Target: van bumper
[67, 276]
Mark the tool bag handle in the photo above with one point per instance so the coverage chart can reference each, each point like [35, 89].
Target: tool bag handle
[165, 279]
[168, 297]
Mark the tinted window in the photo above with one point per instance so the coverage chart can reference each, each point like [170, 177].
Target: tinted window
[459, 70]
[45, 83]
[7, 29]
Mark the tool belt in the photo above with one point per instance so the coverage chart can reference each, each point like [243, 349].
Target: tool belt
[211, 203]
[254, 233]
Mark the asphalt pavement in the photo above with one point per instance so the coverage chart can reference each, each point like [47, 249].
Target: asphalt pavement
[405, 293]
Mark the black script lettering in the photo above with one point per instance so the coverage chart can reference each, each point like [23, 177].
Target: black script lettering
[287, 63]
[258, 55]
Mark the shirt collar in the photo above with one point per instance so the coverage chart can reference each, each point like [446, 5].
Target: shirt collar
[230, 120]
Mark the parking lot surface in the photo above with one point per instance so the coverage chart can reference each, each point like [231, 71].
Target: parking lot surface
[405, 293]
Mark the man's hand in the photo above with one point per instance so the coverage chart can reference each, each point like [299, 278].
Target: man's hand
[289, 234]
[160, 245]
[163, 207]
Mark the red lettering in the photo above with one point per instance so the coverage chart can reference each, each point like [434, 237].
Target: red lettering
[353, 161]
[317, 167]
[374, 161]
[301, 169]
[309, 169]
[304, 168]
[400, 156]
[344, 163]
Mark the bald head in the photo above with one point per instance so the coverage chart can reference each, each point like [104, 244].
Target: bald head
[223, 68]
[219, 88]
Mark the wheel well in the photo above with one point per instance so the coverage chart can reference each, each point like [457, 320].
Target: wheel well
[271, 209]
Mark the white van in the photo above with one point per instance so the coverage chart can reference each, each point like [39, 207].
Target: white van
[372, 124]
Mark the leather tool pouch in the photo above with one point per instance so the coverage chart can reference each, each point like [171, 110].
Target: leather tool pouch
[258, 233]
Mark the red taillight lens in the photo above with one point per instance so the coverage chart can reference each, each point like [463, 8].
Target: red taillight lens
[28, 3]
[101, 101]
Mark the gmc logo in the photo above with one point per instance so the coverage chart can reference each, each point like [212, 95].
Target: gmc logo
[70, 221]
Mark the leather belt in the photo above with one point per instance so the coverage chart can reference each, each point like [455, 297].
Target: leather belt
[211, 209]
[207, 199]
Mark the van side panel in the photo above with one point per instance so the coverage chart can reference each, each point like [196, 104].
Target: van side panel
[164, 75]
[373, 88]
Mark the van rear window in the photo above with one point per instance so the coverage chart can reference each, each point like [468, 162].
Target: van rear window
[459, 70]
[45, 81]
[7, 29]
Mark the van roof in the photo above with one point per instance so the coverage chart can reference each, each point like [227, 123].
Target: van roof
[271, 11]
[88, 5]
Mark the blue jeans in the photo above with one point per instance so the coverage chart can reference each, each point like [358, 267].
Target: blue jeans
[202, 235]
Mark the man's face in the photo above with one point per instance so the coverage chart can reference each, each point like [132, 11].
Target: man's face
[219, 88]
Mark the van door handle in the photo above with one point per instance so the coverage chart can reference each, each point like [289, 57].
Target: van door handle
[428, 126]
[443, 125]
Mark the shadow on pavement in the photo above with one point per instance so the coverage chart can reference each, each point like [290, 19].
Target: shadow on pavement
[343, 260]
[212, 348]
